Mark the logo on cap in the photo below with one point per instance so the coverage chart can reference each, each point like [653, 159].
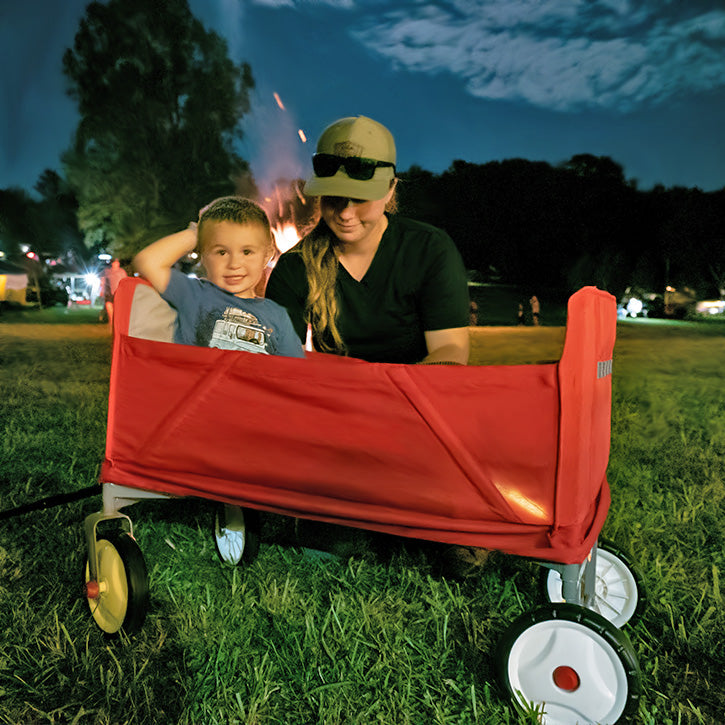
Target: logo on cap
[348, 148]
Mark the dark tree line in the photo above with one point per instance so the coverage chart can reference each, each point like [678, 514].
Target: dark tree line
[48, 225]
[521, 222]
[578, 223]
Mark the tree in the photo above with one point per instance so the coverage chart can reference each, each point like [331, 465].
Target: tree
[15, 215]
[161, 105]
[588, 166]
[47, 226]
[604, 205]
[575, 224]
[419, 197]
[57, 212]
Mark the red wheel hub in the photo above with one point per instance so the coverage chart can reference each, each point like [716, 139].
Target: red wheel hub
[93, 591]
[566, 678]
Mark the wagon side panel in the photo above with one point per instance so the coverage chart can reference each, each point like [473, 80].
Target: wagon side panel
[585, 388]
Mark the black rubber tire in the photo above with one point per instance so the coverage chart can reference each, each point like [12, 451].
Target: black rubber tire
[121, 567]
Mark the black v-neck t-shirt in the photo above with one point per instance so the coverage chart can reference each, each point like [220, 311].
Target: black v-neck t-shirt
[416, 282]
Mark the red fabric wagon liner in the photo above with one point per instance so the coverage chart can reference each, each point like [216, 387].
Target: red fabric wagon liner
[508, 457]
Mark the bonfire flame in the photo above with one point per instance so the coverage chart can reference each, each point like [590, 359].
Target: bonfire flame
[284, 205]
[285, 236]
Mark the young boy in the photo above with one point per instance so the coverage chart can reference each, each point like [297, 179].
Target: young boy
[234, 240]
[235, 244]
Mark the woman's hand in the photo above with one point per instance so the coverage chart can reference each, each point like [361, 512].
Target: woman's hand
[450, 345]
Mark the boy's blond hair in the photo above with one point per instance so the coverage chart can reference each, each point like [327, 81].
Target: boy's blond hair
[236, 209]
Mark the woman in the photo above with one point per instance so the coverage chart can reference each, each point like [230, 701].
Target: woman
[371, 285]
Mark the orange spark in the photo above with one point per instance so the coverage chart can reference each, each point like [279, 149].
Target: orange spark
[302, 136]
[279, 100]
[299, 193]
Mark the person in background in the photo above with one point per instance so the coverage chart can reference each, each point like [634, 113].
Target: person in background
[235, 243]
[110, 279]
[535, 309]
[473, 314]
[370, 284]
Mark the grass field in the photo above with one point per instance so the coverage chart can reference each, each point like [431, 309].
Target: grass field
[374, 636]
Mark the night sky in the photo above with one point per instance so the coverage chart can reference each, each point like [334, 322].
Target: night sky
[641, 81]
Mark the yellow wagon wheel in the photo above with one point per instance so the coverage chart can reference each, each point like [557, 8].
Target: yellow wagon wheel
[118, 598]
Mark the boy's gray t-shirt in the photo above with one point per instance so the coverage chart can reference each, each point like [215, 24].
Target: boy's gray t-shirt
[209, 316]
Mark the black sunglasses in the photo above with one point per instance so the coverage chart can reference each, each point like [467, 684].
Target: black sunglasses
[355, 167]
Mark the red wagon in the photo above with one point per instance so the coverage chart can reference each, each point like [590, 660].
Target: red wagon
[506, 457]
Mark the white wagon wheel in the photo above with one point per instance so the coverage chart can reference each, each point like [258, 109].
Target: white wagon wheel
[572, 664]
[618, 591]
[236, 534]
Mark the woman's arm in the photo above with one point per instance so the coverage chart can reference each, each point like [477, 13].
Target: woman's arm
[445, 304]
[154, 263]
[449, 345]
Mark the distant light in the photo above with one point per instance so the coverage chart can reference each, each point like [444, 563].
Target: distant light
[301, 134]
[31, 255]
[710, 307]
[24, 248]
[193, 255]
[634, 306]
[2, 254]
[105, 257]
[91, 279]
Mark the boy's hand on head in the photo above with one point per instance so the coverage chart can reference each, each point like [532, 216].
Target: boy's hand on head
[155, 261]
[194, 228]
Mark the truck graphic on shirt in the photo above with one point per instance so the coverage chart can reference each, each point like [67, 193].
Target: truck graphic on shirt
[239, 330]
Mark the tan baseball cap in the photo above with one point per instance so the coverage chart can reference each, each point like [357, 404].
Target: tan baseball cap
[369, 145]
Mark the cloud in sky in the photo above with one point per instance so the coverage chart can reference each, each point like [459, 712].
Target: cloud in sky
[564, 55]
[344, 4]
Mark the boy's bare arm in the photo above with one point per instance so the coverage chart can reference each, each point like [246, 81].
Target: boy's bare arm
[154, 263]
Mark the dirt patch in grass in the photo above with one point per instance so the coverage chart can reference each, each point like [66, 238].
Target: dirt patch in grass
[53, 332]
[515, 345]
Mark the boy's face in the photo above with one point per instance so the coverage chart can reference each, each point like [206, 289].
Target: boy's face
[234, 255]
